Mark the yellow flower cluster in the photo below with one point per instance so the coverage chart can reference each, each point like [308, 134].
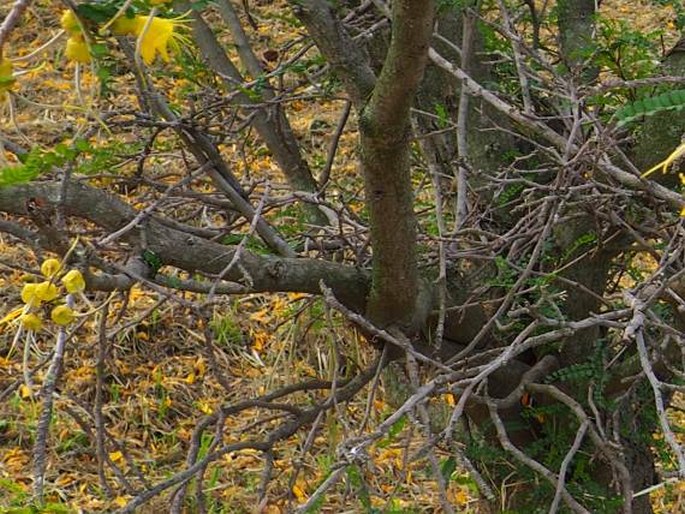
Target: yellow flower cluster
[156, 34]
[77, 46]
[35, 294]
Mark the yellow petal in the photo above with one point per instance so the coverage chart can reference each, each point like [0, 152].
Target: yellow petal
[157, 35]
[299, 493]
[50, 267]
[116, 456]
[46, 291]
[120, 501]
[31, 322]
[62, 315]
[29, 295]
[69, 22]
[77, 50]
[73, 281]
[11, 315]
[675, 155]
[124, 26]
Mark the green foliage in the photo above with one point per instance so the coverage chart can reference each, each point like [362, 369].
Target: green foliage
[583, 242]
[447, 467]
[12, 175]
[152, 260]
[193, 69]
[506, 274]
[285, 16]
[556, 427]
[580, 372]
[292, 221]
[509, 194]
[429, 218]
[325, 463]
[669, 101]
[451, 5]
[15, 499]
[104, 158]
[100, 11]
[37, 162]
[6, 81]
[626, 52]
[591, 372]
[254, 244]
[442, 114]
[505, 78]
[87, 159]
[393, 432]
[74, 441]
[200, 5]
[226, 331]
[104, 75]
[357, 481]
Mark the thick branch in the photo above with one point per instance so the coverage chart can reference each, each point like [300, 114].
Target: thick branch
[344, 55]
[385, 133]
[178, 248]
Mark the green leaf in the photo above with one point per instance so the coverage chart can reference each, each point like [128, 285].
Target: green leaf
[397, 427]
[98, 50]
[97, 13]
[671, 100]
[447, 467]
[152, 259]
[357, 481]
[393, 432]
[82, 145]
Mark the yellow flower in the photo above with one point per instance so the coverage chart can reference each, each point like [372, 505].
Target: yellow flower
[69, 22]
[124, 26]
[158, 36]
[7, 80]
[676, 155]
[50, 267]
[29, 296]
[77, 50]
[74, 282]
[31, 322]
[62, 315]
[46, 291]
[35, 294]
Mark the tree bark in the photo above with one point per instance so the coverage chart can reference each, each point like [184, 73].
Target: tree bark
[347, 58]
[184, 250]
[385, 155]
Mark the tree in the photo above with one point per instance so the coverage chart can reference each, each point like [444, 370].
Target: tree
[508, 252]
